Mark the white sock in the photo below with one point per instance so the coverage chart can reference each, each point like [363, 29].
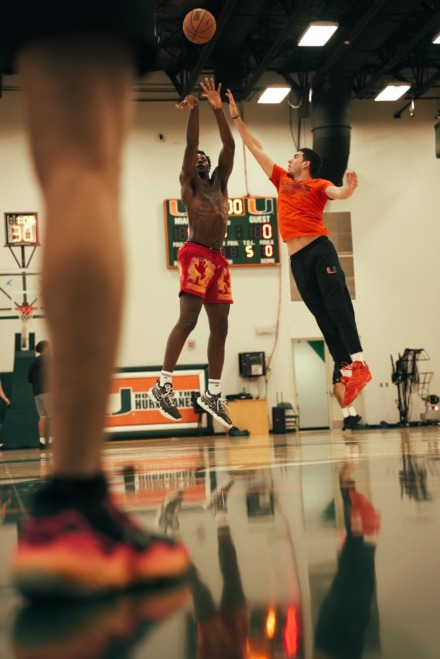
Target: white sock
[345, 412]
[43, 441]
[352, 411]
[357, 357]
[214, 387]
[165, 378]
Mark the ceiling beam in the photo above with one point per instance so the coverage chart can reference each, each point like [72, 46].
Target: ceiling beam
[428, 27]
[273, 50]
[418, 92]
[360, 26]
[222, 20]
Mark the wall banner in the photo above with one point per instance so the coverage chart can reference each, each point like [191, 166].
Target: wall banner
[131, 411]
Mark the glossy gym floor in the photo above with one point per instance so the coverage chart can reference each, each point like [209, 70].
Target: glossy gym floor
[308, 545]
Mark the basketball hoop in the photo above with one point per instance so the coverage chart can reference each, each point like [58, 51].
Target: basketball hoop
[25, 313]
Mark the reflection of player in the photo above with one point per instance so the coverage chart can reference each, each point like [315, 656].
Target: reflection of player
[203, 270]
[351, 417]
[345, 611]
[76, 69]
[222, 630]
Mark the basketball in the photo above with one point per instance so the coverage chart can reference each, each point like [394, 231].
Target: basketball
[199, 26]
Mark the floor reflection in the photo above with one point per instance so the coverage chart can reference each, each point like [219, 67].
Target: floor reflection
[307, 546]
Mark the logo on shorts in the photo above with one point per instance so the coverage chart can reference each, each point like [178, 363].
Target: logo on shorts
[331, 271]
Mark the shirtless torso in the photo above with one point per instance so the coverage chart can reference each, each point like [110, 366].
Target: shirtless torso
[206, 201]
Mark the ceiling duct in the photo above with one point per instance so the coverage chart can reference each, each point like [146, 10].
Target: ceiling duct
[333, 83]
[230, 53]
[331, 129]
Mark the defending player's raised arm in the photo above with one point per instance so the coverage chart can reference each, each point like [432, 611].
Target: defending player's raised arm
[344, 191]
[254, 146]
[226, 156]
[192, 137]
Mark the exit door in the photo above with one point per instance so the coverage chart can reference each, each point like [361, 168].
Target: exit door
[311, 386]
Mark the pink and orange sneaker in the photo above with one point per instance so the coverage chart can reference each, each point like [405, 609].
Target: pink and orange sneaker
[360, 376]
[73, 553]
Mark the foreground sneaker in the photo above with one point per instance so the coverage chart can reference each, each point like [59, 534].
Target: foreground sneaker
[168, 517]
[360, 376]
[219, 498]
[163, 397]
[110, 627]
[215, 406]
[83, 553]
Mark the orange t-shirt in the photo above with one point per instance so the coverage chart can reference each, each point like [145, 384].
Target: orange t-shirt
[300, 205]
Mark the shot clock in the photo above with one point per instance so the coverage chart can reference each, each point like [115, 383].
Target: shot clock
[252, 235]
[21, 229]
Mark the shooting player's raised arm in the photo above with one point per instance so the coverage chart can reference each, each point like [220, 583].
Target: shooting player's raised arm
[226, 156]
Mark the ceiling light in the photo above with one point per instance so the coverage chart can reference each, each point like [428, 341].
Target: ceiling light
[436, 39]
[392, 92]
[318, 33]
[274, 94]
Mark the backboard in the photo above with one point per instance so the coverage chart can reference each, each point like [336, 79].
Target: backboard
[20, 288]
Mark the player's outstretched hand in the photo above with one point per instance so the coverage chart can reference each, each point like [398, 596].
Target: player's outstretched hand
[351, 179]
[190, 102]
[212, 94]
[233, 111]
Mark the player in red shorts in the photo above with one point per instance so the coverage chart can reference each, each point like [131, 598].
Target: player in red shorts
[203, 270]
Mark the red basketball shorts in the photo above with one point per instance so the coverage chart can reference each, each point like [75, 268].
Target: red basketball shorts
[204, 272]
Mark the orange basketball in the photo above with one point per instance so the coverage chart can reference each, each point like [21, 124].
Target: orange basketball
[199, 26]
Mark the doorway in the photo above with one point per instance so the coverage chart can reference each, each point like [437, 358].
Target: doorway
[311, 383]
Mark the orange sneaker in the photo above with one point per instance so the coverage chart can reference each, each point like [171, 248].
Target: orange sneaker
[77, 553]
[360, 376]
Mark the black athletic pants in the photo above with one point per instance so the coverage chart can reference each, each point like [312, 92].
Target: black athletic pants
[321, 282]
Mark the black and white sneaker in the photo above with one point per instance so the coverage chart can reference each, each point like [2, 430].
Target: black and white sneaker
[215, 406]
[351, 421]
[219, 498]
[163, 397]
[354, 420]
[168, 517]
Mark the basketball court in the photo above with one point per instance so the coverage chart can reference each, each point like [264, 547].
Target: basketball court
[277, 533]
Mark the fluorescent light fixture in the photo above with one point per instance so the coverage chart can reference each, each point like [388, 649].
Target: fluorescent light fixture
[318, 33]
[274, 94]
[392, 92]
[436, 39]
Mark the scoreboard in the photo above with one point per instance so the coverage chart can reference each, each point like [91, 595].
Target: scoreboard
[252, 234]
[21, 229]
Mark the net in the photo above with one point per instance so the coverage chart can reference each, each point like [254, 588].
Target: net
[25, 313]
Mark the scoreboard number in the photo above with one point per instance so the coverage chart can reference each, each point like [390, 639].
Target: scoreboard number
[21, 229]
[252, 235]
